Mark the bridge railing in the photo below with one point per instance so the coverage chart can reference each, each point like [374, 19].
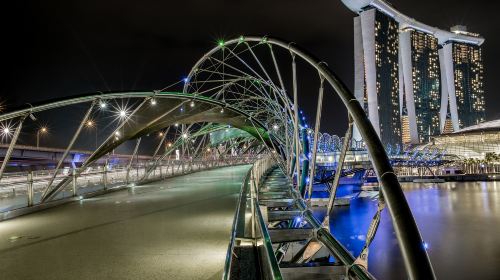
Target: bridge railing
[24, 189]
[250, 253]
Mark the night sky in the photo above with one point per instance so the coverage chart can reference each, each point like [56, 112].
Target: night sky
[54, 49]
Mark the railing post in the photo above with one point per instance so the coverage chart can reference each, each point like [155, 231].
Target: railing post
[30, 188]
[105, 175]
[74, 181]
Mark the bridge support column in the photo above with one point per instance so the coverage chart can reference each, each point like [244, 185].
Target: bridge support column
[316, 131]
[30, 188]
[74, 181]
[105, 175]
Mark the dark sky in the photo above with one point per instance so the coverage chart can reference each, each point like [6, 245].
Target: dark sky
[61, 48]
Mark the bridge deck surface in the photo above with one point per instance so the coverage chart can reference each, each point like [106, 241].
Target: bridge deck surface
[175, 229]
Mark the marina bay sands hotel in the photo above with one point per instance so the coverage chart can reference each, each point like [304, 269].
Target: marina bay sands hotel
[414, 80]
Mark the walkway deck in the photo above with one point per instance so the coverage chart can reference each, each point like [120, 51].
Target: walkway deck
[175, 229]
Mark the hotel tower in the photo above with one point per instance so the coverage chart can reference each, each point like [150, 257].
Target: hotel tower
[414, 80]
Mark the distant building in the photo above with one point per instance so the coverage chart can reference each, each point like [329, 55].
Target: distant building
[378, 81]
[448, 126]
[402, 63]
[405, 128]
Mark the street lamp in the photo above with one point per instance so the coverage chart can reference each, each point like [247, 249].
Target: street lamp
[42, 130]
[90, 124]
[5, 132]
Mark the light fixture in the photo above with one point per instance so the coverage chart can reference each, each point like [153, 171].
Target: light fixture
[176, 124]
[184, 135]
[153, 101]
[191, 104]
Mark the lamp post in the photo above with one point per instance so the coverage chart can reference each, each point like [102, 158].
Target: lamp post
[42, 130]
[90, 124]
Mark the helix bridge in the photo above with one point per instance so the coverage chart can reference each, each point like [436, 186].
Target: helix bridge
[239, 104]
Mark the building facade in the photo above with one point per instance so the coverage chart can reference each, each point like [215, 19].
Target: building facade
[404, 65]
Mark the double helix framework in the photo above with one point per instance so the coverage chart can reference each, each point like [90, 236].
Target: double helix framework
[239, 102]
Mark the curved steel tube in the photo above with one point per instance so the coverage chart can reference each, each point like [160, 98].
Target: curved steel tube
[415, 257]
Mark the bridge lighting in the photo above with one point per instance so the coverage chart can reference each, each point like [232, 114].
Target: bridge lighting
[221, 43]
[41, 130]
[102, 105]
[153, 101]
[122, 113]
[275, 127]
[298, 219]
[117, 133]
[222, 110]
[209, 150]
[244, 146]
[90, 123]
[169, 144]
[191, 104]
[426, 245]
[176, 124]
[160, 134]
[5, 131]
[184, 135]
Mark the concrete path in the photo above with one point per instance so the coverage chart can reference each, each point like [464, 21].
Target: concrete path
[175, 229]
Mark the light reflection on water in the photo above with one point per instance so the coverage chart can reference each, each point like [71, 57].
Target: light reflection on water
[460, 222]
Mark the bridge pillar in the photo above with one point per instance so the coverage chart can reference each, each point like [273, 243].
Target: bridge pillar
[73, 181]
[30, 188]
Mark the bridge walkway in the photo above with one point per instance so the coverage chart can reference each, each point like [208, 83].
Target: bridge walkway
[174, 229]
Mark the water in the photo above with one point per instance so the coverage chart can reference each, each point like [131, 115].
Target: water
[460, 222]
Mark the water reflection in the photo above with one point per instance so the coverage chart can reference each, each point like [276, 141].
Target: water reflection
[460, 222]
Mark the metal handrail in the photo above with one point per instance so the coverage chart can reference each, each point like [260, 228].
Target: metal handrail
[227, 264]
[261, 235]
[272, 263]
